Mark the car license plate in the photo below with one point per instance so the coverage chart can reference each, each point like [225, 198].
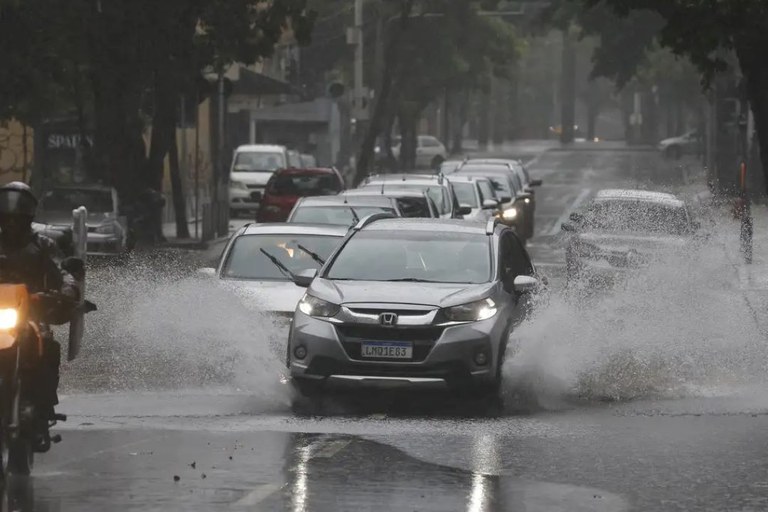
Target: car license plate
[387, 349]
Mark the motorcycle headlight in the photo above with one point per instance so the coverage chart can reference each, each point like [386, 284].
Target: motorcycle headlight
[313, 306]
[510, 214]
[9, 318]
[472, 312]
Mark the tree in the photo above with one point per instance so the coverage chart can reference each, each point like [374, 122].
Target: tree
[706, 31]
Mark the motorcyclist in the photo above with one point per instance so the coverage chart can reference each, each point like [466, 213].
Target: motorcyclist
[35, 260]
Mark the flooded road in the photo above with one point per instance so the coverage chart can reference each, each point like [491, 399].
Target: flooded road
[652, 397]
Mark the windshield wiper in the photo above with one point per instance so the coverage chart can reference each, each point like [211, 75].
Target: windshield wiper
[410, 280]
[311, 254]
[278, 264]
[354, 215]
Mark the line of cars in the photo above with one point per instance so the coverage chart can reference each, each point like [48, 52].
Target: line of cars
[414, 279]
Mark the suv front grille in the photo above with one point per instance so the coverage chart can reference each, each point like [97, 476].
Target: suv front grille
[423, 338]
[398, 312]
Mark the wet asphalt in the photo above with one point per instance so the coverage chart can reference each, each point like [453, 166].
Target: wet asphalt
[151, 428]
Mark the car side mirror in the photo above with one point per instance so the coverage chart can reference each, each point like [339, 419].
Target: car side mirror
[536, 183]
[464, 209]
[207, 272]
[304, 278]
[256, 196]
[526, 284]
[490, 204]
[505, 199]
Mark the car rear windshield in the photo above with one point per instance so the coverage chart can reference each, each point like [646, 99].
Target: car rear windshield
[437, 193]
[245, 259]
[465, 193]
[414, 207]
[336, 215]
[441, 257]
[257, 161]
[66, 200]
[636, 216]
[304, 185]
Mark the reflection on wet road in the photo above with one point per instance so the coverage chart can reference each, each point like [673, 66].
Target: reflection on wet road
[179, 383]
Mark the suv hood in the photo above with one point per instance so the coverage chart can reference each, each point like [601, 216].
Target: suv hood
[427, 294]
[251, 178]
[269, 296]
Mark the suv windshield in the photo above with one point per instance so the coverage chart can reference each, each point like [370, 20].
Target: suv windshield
[336, 215]
[636, 216]
[442, 257]
[304, 185]
[246, 261]
[257, 161]
[66, 200]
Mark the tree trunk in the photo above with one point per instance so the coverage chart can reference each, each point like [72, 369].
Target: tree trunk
[568, 91]
[407, 119]
[756, 75]
[177, 188]
[592, 113]
[457, 144]
[484, 125]
[390, 162]
[380, 110]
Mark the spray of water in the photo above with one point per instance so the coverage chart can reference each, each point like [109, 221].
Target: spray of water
[674, 328]
[159, 329]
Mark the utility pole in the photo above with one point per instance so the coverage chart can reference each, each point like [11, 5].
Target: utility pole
[359, 54]
[568, 84]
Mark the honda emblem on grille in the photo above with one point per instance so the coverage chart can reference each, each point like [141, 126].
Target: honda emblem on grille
[388, 319]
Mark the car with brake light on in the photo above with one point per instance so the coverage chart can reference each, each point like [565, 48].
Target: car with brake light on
[435, 309]
[341, 210]
[411, 203]
[515, 209]
[107, 229]
[438, 187]
[624, 230]
[286, 186]
[263, 259]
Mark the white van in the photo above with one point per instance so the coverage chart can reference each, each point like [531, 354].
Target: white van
[252, 166]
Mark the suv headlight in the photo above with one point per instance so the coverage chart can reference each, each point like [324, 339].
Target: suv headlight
[509, 214]
[313, 306]
[472, 312]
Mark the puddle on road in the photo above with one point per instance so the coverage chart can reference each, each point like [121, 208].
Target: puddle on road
[678, 328]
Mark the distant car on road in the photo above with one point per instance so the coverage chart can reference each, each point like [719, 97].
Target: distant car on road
[252, 166]
[107, 230]
[676, 147]
[308, 161]
[287, 186]
[430, 152]
[438, 187]
[477, 193]
[246, 261]
[436, 308]
[623, 230]
[411, 203]
[341, 210]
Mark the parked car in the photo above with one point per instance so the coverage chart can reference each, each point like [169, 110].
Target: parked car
[438, 187]
[430, 152]
[515, 210]
[437, 308]
[246, 261]
[411, 203]
[308, 161]
[107, 230]
[286, 186]
[477, 193]
[676, 147]
[252, 166]
[623, 230]
[341, 210]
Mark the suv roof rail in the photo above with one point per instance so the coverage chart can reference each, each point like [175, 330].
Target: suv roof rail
[370, 219]
[490, 227]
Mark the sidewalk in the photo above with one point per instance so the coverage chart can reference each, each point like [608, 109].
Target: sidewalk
[192, 243]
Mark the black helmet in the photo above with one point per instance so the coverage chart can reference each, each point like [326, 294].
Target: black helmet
[17, 198]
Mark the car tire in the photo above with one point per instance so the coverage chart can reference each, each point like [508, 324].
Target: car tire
[307, 388]
[437, 161]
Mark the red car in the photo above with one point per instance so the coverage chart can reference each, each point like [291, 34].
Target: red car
[286, 186]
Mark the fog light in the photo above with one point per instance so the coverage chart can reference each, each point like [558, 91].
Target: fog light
[300, 352]
[481, 359]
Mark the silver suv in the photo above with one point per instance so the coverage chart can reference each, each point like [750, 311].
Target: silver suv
[412, 301]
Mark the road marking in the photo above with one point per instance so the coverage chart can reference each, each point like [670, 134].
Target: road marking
[327, 449]
[258, 495]
[574, 206]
